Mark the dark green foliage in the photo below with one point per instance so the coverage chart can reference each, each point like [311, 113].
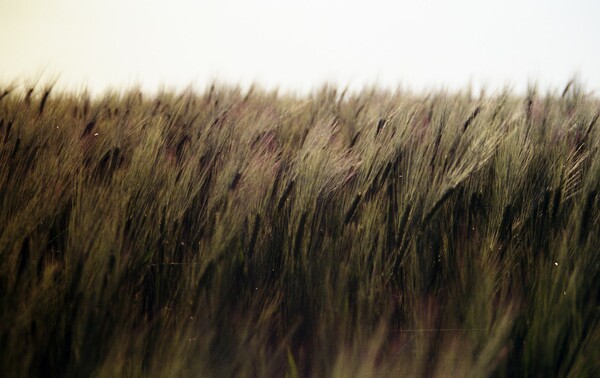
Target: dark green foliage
[256, 234]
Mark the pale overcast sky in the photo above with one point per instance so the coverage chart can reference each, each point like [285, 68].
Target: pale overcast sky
[297, 45]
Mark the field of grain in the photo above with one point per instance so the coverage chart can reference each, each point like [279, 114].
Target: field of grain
[255, 233]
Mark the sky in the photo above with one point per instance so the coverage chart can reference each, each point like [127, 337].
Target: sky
[299, 45]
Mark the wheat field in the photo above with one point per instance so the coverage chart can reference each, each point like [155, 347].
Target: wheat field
[240, 233]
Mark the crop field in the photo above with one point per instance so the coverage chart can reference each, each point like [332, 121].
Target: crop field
[233, 232]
